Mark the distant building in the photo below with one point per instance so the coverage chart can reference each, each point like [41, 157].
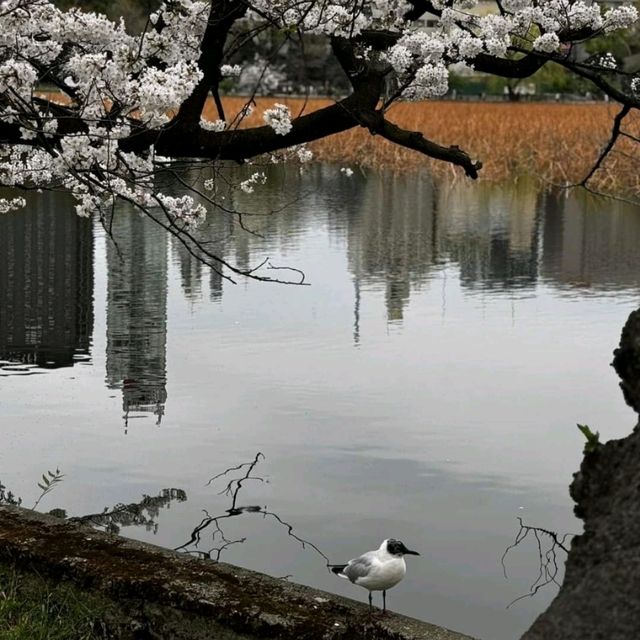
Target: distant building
[429, 21]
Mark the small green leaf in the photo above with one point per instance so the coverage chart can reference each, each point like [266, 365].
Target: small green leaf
[593, 439]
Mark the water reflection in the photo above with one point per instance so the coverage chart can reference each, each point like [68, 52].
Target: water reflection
[590, 244]
[400, 231]
[445, 422]
[137, 314]
[498, 239]
[390, 238]
[46, 286]
[493, 236]
[193, 272]
[273, 219]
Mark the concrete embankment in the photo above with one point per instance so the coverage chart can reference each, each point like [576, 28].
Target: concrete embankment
[159, 594]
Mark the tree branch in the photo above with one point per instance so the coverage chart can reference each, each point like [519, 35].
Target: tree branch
[419, 8]
[222, 16]
[615, 133]
[416, 141]
[240, 144]
[599, 81]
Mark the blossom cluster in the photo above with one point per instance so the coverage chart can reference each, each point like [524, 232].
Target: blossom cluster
[248, 185]
[421, 59]
[98, 65]
[7, 205]
[278, 118]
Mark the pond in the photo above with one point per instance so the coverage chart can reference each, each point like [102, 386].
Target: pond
[426, 385]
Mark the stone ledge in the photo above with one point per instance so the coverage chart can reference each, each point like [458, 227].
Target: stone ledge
[175, 596]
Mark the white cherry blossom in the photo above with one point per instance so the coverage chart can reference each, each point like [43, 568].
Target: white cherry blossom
[119, 93]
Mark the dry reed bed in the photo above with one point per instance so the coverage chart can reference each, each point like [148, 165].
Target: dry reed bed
[555, 142]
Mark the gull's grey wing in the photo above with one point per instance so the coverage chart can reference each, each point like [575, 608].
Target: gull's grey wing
[359, 567]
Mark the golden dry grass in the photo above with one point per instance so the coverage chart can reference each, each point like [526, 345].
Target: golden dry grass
[555, 142]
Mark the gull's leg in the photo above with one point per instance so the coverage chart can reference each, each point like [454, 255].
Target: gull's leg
[384, 601]
[370, 602]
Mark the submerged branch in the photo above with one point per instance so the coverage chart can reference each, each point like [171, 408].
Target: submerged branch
[213, 523]
[549, 567]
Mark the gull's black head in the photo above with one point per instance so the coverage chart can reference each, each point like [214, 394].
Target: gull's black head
[397, 548]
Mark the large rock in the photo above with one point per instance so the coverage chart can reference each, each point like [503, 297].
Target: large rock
[600, 594]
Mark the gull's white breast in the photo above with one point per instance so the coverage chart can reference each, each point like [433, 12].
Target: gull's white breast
[383, 575]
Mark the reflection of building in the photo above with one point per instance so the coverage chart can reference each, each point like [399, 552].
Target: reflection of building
[137, 312]
[46, 283]
[590, 242]
[241, 232]
[401, 230]
[390, 237]
[492, 233]
[407, 227]
[192, 269]
[212, 234]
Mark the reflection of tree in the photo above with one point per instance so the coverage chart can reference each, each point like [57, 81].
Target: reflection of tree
[137, 313]
[46, 284]
[134, 514]
[549, 544]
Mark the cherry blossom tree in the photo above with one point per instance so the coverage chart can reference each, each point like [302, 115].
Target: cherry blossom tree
[127, 107]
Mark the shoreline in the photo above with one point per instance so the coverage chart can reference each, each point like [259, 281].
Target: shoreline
[178, 596]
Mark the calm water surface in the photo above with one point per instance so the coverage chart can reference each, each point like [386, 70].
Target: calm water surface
[426, 386]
